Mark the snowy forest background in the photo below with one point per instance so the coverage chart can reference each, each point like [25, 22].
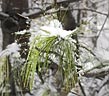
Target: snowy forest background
[92, 30]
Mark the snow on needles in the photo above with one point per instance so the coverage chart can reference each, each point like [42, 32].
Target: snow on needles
[54, 28]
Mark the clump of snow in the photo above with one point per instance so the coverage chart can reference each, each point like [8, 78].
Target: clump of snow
[55, 29]
[21, 32]
[12, 48]
[52, 31]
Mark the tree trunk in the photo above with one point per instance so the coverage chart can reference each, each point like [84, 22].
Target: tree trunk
[11, 7]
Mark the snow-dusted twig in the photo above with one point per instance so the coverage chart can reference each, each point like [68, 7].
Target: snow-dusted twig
[97, 72]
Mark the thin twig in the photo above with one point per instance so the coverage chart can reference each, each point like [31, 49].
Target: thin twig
[88, 51]
[102, 27]
[82, 89]
[88, 9]
[74, 93]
